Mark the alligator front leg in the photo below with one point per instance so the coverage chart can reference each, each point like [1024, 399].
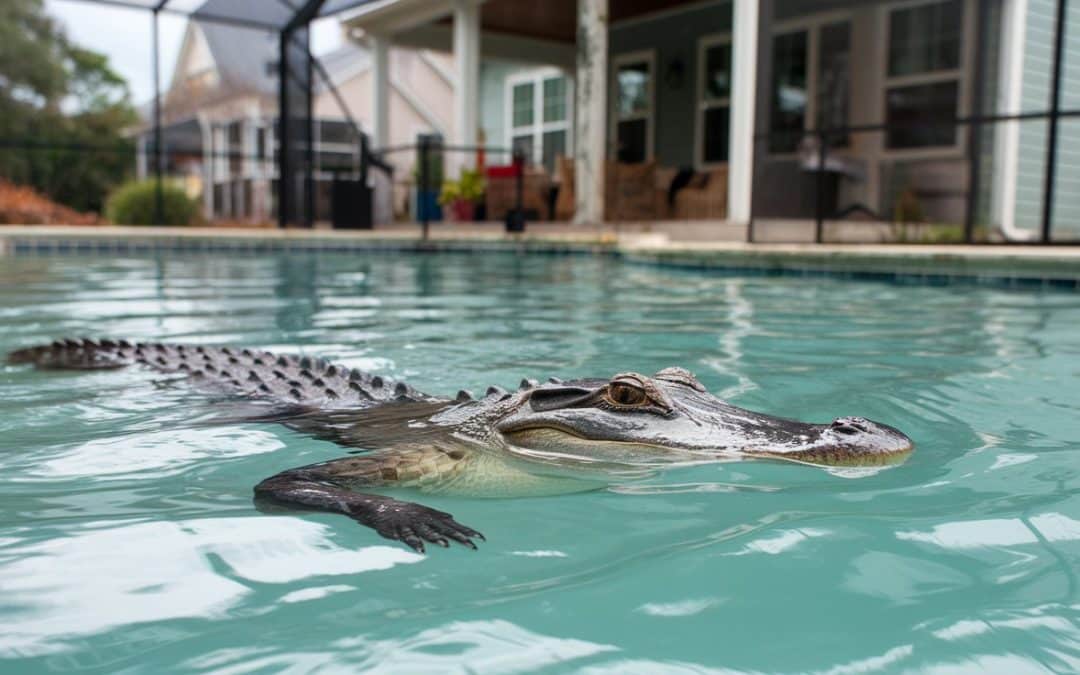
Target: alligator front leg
[326, 487]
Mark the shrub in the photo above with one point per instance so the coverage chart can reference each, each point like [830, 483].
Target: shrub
[135, 203]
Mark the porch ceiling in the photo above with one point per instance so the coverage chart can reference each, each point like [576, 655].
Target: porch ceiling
[556, 20]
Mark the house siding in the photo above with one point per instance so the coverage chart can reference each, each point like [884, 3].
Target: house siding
[1035, 97]
[493, 79]
[673, 36]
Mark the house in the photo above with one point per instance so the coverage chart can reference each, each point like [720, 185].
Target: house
[775, 110]
[220, 115]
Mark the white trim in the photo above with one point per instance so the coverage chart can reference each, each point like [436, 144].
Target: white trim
[700, 102]
[961, 75]
[416, 104]
[647, 56]
[536, 77]
[433, 63]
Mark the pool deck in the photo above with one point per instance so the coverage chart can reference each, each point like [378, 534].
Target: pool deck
[1052, 265]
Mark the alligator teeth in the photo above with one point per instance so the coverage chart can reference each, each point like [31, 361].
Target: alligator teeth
[463, 396]
[554, 380]
[526, 383]
[494, 390]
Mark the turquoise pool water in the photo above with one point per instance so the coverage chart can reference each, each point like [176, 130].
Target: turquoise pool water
[128, 541]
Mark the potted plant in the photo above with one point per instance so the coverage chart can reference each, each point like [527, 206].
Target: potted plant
[461, 196]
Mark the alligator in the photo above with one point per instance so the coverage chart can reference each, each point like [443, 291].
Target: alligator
[547, 438]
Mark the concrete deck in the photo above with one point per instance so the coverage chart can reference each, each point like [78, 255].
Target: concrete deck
[1057, 265]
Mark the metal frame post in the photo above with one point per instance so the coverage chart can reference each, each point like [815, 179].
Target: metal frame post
[819, 201]
[422, 188]
[1050, 174]
[159, 188]
[975, 128]
[284, 204]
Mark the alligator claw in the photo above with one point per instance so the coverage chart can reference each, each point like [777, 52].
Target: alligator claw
[413, 524]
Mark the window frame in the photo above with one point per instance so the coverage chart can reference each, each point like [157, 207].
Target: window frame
[701, 104]
[647, 56]
[536, 130]
[961, 75]
[813, 24]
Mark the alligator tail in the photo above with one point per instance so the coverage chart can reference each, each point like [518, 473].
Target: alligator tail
[253, 373]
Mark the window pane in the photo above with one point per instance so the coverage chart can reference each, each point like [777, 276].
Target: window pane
[554, 144]
[523, 144]
[788, 92]
[834, 78]
[336, 132]
[716, 135]
[915, 110]
[555, 99]
[632, 82]
[523, 105]
[718, 71]
[633, 141]
[925, 39]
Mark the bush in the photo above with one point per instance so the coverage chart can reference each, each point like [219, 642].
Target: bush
[135, 203]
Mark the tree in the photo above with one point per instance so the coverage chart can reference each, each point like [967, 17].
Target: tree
[55, 98]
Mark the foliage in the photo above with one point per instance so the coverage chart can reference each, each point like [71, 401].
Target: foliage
[135, 203]
[20, 205]
[469, 187]
[57, 99]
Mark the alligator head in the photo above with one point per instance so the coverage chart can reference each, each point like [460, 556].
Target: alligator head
[670, 417]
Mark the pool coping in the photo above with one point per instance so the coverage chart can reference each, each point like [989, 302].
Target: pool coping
[1057, 266]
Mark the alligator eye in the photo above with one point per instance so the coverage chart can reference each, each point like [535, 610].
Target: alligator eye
[626, 394]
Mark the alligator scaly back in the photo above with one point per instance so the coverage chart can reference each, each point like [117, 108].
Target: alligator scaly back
[296, 380]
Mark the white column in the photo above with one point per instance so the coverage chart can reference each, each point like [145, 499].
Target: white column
[744, 37]
[590, 140]
[467, 72]
[380, 95]
[1007, 134]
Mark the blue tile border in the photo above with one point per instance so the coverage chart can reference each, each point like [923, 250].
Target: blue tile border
[906, 271]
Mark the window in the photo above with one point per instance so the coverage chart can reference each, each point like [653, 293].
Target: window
[714, 99]
[923, 75]
[811, 83]
[539, 116]
[789, 91]
[633, 101]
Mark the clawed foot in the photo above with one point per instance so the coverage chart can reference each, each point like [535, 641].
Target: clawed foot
[414, 524]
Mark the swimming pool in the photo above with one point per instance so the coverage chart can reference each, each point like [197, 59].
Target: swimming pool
[128, 540]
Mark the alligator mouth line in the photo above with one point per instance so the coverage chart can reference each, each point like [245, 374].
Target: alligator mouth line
[552, 433]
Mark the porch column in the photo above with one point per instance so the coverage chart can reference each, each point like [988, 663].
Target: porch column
[467, 71]
[590, 140]
[380, 95]
[744, 37]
